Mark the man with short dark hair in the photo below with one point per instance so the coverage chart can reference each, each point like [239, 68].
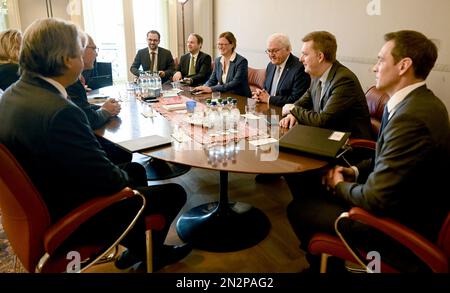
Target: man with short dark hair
[410, 169]
[154, 58]
[195, 66]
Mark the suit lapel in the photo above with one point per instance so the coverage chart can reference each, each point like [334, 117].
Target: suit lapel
[231, 70]
[326, 86]
[270, 75]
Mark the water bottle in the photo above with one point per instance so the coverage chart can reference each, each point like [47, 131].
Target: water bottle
[235, 114]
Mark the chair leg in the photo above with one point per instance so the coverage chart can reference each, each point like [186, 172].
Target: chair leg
[148, 240]
[109, 257]
[323, 263]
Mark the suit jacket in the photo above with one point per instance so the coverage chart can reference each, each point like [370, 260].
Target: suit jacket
[53, 141]
[165, 62]
[408, 177]
[96, 116]
[237, 78]
[202, 68]
[293, 83]
[343, 104]
[9, 74]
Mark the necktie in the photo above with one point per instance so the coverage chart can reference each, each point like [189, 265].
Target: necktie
[317, 97]
[192, 66]
[152, 62]
[276, 78]
[384, 119]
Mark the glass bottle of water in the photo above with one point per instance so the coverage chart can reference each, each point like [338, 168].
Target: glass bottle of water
[235, 114]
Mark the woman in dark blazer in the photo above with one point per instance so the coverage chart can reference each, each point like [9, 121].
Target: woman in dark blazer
[10, 41]
[230, 70]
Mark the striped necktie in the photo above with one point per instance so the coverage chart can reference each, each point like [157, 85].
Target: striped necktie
[384, 119]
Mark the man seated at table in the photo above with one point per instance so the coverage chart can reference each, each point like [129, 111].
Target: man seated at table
[53, 141]
[195, 66]
[97, 115]
[286, 79]
[154, 58]
[335, 99]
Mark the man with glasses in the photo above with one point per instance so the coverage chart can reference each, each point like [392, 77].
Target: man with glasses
[195, 66]
[154, 58]
[286, 79]
[97, 115]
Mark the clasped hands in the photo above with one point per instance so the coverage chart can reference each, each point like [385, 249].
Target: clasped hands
[112, 106]
[336, 175]
[261, 96]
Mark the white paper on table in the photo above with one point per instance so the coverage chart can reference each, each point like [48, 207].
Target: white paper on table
[262, 141]
[251, 116]
[171, 93]
[148, 114]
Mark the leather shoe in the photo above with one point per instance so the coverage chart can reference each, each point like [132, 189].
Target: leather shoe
[170, 254]
[126, 260]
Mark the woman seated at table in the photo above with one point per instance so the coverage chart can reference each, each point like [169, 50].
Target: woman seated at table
[230, 70]
[10, 41]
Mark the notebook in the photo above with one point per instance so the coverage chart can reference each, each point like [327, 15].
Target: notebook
[313, 140]
[143, 143]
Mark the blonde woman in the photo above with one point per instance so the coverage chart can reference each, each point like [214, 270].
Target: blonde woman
[10, 41]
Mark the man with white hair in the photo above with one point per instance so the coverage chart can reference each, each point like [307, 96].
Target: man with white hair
[286, 79]
[54, 143]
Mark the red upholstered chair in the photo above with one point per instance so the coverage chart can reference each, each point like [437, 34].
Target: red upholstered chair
[376, 101]
[435, 255]
[41, 245]
[256, 78]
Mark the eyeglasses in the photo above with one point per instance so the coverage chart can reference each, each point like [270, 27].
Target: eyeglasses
[273, 51]
[221, 45]
[153, 40]
[93, 48]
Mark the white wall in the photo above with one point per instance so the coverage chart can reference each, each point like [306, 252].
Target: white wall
[30, 10]
[359, 35]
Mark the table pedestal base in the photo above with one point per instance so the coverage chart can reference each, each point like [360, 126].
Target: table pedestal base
[222, 228]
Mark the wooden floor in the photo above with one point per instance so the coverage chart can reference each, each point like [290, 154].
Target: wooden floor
[277, 253]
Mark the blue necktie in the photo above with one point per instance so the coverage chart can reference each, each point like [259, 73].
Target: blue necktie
[384, 119]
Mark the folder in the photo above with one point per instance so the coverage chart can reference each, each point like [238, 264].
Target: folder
[143, 143]
[316, 141]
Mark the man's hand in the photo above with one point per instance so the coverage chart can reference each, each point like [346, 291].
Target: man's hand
[161, 73]
[288, 121]
[263, 97]
[112, 106]
[287, 109]
[177, 76]
[338, 174]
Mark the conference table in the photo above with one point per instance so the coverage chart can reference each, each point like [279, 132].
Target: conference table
[223, 225]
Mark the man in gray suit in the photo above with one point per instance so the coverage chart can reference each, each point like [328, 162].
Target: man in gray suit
[410, 169]
[154, 58]
[335, 99]
[53, 141]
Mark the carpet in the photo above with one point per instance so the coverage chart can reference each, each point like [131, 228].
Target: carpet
[6, 252]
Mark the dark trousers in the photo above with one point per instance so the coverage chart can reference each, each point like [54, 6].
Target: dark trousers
[115, 154]
[314, 210]
[166, 200]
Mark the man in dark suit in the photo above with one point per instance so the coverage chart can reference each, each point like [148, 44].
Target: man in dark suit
[286, 79]
[410, 169]
[195, 67]
[53, 141]
[335, 99]
[97, 115]
[154, 58]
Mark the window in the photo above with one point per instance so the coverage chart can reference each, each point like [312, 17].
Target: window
[115, 30]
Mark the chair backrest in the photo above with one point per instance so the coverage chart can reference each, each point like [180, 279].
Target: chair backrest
[175, 61]
[376, 100]
[25, 216]
[444, 237]
[256, 78]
